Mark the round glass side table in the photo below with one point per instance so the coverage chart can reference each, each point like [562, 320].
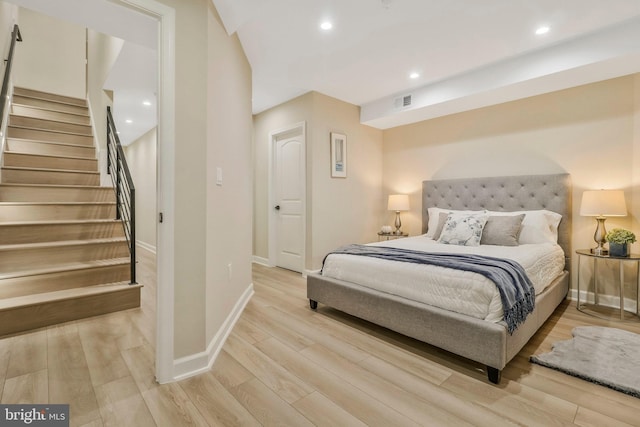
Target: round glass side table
[595, 308]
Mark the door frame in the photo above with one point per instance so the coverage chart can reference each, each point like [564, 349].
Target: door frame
[274, 136]
[165, 186]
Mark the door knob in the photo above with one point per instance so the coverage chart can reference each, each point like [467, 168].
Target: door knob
[277, 207]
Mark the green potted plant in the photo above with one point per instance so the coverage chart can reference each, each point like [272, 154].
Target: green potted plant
[619, 241]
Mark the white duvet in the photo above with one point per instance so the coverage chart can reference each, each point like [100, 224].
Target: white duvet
[460, 291]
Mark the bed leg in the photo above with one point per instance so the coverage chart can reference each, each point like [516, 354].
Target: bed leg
[494, 374]
[313, 304]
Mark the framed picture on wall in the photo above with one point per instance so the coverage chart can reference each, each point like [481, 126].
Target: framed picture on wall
[338, 155]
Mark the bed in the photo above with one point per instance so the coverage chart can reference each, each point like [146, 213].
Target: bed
[485, 341]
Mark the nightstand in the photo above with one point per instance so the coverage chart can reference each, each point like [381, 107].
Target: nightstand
[390, 236]
[594, 308]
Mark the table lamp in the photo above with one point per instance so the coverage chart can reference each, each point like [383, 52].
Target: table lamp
[398, 202]
[601, 204]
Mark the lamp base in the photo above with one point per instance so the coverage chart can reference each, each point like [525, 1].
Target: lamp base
[599, 251]
[398, 224]
[599, 237]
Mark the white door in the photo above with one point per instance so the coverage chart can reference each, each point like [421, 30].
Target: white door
[289, 185]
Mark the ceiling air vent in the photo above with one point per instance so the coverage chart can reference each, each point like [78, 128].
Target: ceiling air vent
[402, 101]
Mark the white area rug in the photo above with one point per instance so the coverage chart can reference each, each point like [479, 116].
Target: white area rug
[606, 356]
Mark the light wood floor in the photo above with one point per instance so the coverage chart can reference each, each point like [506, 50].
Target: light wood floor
[284, 364]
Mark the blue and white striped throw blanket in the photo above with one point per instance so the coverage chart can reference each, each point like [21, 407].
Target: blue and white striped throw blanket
[516, 291]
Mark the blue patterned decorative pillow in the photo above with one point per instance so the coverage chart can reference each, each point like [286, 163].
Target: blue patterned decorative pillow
[463, 229]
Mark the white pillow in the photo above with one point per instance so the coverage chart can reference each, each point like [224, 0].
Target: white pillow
[463, 229]
[434, 214]
[539, 226]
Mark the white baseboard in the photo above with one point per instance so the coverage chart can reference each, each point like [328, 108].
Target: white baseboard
[146, 246]
[199, 363]
[262, 261]
[307, 272]
[605, 300]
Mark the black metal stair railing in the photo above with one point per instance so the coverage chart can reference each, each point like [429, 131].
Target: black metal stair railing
[118, 169]
[15, 37]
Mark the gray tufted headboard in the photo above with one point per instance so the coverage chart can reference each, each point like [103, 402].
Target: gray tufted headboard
[505, 193]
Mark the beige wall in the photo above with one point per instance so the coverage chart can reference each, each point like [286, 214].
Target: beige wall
[102, 53]
[228, 207]
[52, 56]
[141, 157]
[8, 17]
[339, 210]
[342, 210]
[587, 131]
[209, 88]
[190, 176]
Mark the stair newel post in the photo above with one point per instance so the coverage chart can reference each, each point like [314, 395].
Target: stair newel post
[108, 142]
[124, 189]
[132, 232]
[118, 184]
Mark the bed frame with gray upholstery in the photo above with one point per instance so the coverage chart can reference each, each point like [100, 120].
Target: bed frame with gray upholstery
[484, 342]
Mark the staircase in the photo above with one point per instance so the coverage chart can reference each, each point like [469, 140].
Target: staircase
[63, 255]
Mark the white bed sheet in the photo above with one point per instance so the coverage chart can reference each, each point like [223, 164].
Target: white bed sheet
[459, 291]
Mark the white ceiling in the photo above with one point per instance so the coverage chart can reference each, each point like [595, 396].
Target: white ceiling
[374, 45]
[469, 53]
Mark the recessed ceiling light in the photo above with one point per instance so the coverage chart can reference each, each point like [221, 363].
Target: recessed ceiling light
[542, 30]
[326, 25]
[128, 121]
[147, 103]
[414, 75]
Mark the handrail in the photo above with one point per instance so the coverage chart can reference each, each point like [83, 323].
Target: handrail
[15, 37]
[125, 191]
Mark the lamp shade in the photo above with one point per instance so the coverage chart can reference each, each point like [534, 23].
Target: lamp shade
[603, 203]
[398, 202]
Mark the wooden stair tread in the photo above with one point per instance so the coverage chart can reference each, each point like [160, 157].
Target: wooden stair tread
[61, 244]
[55, 203]
[50, 131]
[61, 268]
[48, 96]
[37, 107]
[40, 119]
[60, 222]
[83, 187]
[67, 294]
[50, 170]
[49, 155]
[43, 141]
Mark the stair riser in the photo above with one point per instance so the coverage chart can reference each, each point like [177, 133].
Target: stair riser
[49, 105]
[11, 176]
[55, 212]
[41, 135]
[10, 193]
[46, 162]
[21, 110]
[36, 316]
[51, 282]
[20, 91]
[48, 125]
[37, 147]
[28, 259]
[36, 233]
